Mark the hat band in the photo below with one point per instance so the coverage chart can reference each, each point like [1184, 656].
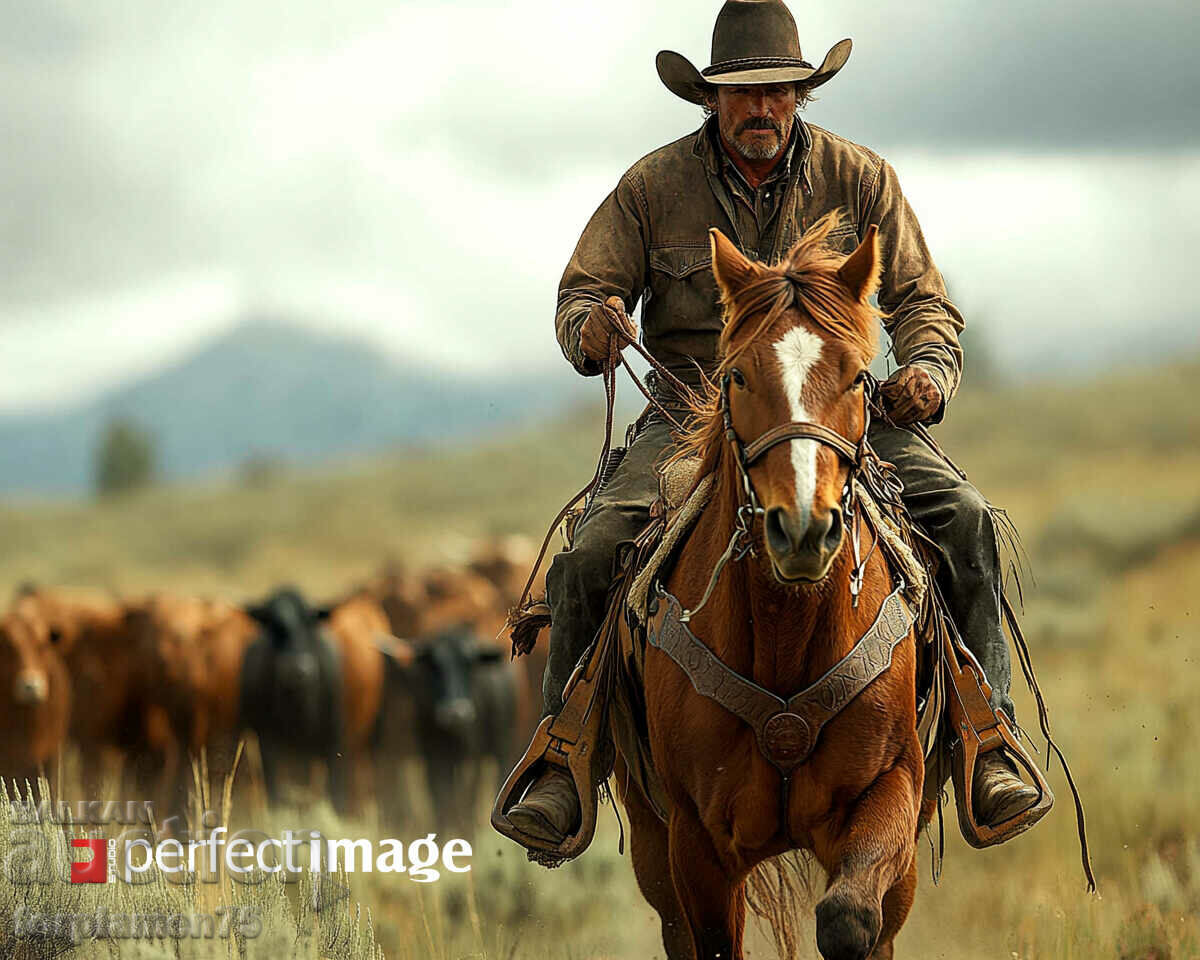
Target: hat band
[753, 63]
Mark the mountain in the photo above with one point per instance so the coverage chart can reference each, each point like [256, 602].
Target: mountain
[274, 390]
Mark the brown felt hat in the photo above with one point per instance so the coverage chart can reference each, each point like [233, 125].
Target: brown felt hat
[754, 41]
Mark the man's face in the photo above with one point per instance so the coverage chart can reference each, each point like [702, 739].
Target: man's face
[757, 120]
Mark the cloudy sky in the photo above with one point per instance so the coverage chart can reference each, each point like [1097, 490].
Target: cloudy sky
[418, 172]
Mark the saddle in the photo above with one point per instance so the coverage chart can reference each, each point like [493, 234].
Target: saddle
[604, 705]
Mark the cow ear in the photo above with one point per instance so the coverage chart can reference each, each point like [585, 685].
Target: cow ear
[860, 271]
[729, 265]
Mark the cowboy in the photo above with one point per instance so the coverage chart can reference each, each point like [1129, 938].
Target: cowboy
[762, 174]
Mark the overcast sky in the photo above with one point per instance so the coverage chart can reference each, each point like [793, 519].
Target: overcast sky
[419, 172]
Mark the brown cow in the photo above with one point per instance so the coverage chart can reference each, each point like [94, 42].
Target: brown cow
[402, 597]
[35, 693]
[455, 598]
[364, 639]
[506, 562]
[113, 722]
[190, 650]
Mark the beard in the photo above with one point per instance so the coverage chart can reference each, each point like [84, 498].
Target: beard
[755, 146]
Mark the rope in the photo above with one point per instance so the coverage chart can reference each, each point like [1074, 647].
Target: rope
[616, 343]
[1026, 662]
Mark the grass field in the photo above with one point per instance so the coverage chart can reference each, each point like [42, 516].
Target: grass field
[1102, 480]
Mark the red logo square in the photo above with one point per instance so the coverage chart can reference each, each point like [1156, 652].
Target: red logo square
[94, 870]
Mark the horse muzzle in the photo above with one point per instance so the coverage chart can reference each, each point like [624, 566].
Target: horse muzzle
[802, 545]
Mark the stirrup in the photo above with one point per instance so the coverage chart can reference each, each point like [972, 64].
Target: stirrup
[548, 750]
[577, 742]
[979, 729]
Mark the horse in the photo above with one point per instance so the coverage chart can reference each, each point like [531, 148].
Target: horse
[780, 429]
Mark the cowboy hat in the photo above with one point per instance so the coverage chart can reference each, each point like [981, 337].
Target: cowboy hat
[754, 41]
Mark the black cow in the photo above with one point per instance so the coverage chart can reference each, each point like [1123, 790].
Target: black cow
[462, 700]
[291, 693]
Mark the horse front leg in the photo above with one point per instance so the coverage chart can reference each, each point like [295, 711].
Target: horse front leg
[870, 859]
[712, 900]
[896, 904]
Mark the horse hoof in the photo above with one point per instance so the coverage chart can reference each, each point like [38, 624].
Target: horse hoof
[847, 928]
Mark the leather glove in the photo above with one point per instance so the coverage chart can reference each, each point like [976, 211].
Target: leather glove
[603, 322]
[910, 395]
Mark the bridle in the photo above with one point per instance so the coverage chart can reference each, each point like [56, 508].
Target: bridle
[856, 454]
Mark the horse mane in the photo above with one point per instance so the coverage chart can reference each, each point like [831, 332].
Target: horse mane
[806, 280]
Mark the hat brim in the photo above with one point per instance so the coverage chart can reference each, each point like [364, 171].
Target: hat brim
[684, 80]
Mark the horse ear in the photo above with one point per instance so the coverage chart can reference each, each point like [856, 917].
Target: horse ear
[731, 268]
[860, 272]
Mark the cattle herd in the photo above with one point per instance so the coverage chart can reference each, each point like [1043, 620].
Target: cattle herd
[161, 695]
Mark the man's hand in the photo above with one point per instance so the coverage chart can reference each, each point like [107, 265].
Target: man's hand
[604, 321]
[910, 395]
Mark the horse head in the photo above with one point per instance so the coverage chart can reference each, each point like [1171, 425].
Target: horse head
[798, 339]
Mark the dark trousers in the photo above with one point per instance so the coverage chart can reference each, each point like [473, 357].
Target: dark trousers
[950, 510]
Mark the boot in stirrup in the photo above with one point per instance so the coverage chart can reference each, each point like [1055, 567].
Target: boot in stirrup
[999, 793]
[549, 810]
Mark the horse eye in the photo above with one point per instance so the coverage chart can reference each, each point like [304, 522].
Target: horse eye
[737, 377]
[859, 380]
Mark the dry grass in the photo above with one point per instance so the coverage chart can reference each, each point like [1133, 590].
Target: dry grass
[1102, 481]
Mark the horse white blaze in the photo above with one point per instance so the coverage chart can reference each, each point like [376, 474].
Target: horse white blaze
[798, 351]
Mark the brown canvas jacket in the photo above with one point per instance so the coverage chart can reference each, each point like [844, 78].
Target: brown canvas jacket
[648, 241]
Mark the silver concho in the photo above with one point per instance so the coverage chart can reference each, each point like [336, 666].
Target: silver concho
[786, 740]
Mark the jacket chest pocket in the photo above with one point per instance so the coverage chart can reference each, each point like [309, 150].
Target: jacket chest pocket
[683, 290]
[680, 262]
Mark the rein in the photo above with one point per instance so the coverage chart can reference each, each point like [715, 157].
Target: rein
[616, 343]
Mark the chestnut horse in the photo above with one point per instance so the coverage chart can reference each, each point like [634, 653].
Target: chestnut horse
[797, 342]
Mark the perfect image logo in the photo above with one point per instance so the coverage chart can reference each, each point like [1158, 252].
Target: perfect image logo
[95, 869]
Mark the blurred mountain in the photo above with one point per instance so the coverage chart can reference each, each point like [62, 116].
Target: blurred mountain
[272, 390]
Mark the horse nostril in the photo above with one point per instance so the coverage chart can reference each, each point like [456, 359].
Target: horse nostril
[775, 524]
[833, 536]
[824, 533]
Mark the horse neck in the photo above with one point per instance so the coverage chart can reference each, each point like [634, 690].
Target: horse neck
[783, 637]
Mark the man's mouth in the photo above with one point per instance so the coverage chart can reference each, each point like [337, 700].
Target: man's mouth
[760, 127]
